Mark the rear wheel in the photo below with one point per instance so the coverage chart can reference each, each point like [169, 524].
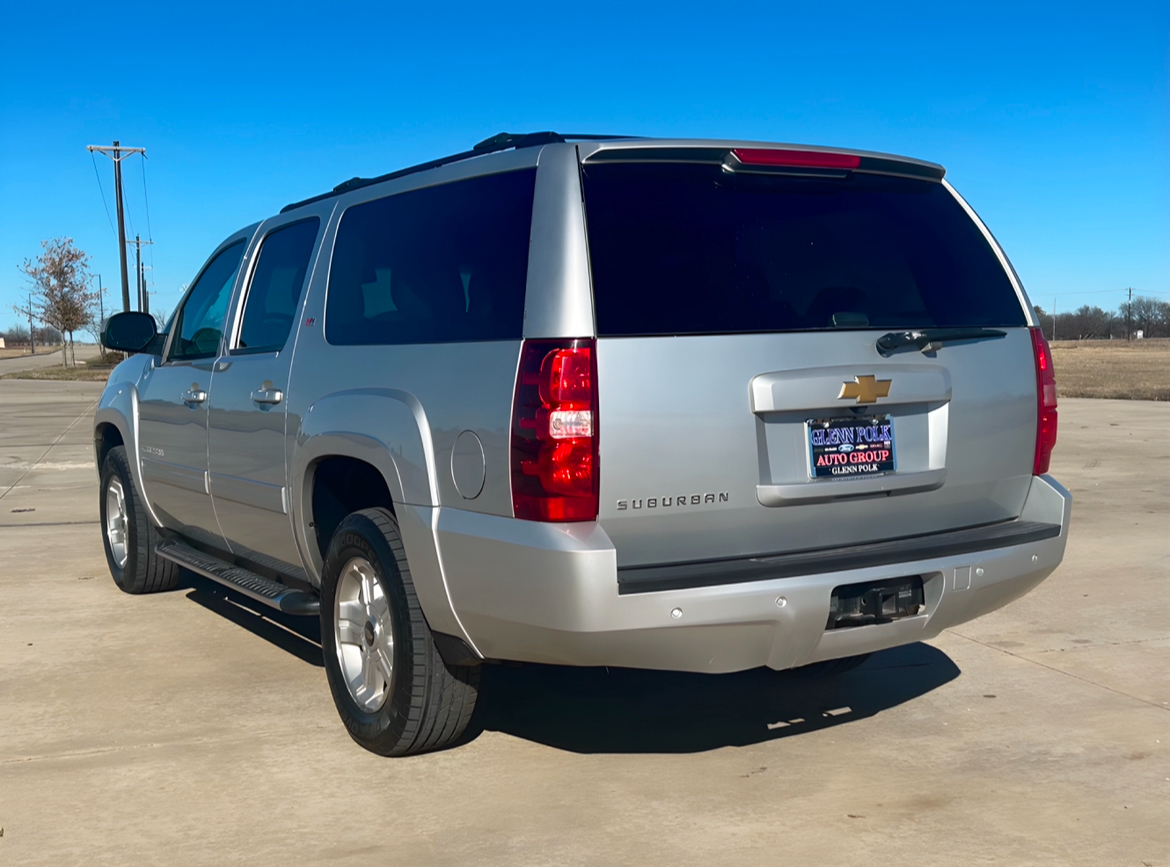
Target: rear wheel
[127, 534]
[391, 687]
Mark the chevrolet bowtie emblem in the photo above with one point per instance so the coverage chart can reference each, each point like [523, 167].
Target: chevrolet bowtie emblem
[867, 389]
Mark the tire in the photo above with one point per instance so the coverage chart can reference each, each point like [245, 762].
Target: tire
[830, 667]
[127, 534]
[396, 697]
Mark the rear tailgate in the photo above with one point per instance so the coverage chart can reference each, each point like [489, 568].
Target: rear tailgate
[744, 407]
[687, 466]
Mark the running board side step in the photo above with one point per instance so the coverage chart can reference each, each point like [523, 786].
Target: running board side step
[257, 587]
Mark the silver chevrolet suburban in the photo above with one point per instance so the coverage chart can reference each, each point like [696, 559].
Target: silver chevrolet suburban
[690, 405]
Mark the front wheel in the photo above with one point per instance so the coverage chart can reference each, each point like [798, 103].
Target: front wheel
[127, 534]
[391, 687]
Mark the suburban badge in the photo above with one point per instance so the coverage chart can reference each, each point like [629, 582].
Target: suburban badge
[668, 502]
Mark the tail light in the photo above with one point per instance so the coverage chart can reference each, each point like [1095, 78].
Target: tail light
[1045, 402]
[801, 159]
[554, 431]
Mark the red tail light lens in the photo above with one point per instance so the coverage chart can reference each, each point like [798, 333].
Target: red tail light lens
[1045, 402]
[804, 159]
[554, 432]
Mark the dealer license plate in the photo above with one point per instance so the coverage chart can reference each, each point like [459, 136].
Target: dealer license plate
[850, 448]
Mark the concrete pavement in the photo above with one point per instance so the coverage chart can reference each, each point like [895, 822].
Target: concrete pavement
[186, 728]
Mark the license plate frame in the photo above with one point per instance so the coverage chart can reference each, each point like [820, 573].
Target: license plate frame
[835, 454]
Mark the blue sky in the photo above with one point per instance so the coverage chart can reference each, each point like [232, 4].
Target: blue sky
[1052, 120]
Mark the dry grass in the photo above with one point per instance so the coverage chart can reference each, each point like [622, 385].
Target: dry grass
[96, 370]
[1139, 370]
[89, 373]
[18, 351]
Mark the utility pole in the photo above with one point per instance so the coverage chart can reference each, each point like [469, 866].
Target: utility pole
[138, 269]
[32, 337]
[121, 227]
[101, 301]
[140, 275]
[1128, 308]
[118, 153]
[1053, 318]
[145, 291]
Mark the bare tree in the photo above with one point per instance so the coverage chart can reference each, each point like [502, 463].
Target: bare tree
[1085, 323]
[17, 335]
[47, 335]
[95, 326]
[61, 297]
[1150, 315]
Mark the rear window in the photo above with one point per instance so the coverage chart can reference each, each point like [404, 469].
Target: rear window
[691, 249]
[436, 265]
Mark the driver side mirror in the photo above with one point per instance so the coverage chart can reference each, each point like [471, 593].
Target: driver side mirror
[129, 332]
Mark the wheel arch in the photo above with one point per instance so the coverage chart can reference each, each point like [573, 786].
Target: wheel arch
[386, 431]
[106, 436]
[338, 485]
[115, 423]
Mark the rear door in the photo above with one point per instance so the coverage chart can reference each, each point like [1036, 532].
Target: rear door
[246, 423]
[745, 407]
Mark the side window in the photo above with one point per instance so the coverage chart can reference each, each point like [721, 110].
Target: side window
[199, 322]
[436, 265]
[276, 286]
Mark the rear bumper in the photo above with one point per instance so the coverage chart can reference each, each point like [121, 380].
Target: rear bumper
[551, 593]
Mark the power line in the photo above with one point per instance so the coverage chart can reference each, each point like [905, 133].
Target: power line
[93, 159]
[1115, 291]
[130, 218]
[146, 199]
[149, 233]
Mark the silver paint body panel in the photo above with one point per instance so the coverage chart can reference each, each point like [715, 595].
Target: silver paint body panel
[964, 421]
[246, 445]
[713, 424]
[548, 593]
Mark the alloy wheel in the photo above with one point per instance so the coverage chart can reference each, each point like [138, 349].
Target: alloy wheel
[116, 521]
[364, 634]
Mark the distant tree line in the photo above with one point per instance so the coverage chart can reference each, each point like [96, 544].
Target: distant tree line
[1150, 316]
[18, 335]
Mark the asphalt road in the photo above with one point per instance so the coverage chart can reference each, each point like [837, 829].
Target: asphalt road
[85, 351]
[185, 728]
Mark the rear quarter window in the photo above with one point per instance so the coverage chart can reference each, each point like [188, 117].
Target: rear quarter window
[691, 249]
[442, 264]
[275, 290]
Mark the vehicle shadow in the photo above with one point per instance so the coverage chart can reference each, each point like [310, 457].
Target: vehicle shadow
[615, 710]
[626, 710]
[299, 636]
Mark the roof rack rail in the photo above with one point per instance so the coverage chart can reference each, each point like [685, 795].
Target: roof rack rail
[499, 142]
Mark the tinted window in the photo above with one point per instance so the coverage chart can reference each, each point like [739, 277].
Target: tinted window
[689, 249]
[445, 263]
[199, 322]
[276, 286]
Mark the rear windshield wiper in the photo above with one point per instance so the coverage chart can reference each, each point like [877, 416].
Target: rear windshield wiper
[930, 339]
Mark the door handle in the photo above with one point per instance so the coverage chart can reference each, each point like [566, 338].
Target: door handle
[194, 394]
[267, 393]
